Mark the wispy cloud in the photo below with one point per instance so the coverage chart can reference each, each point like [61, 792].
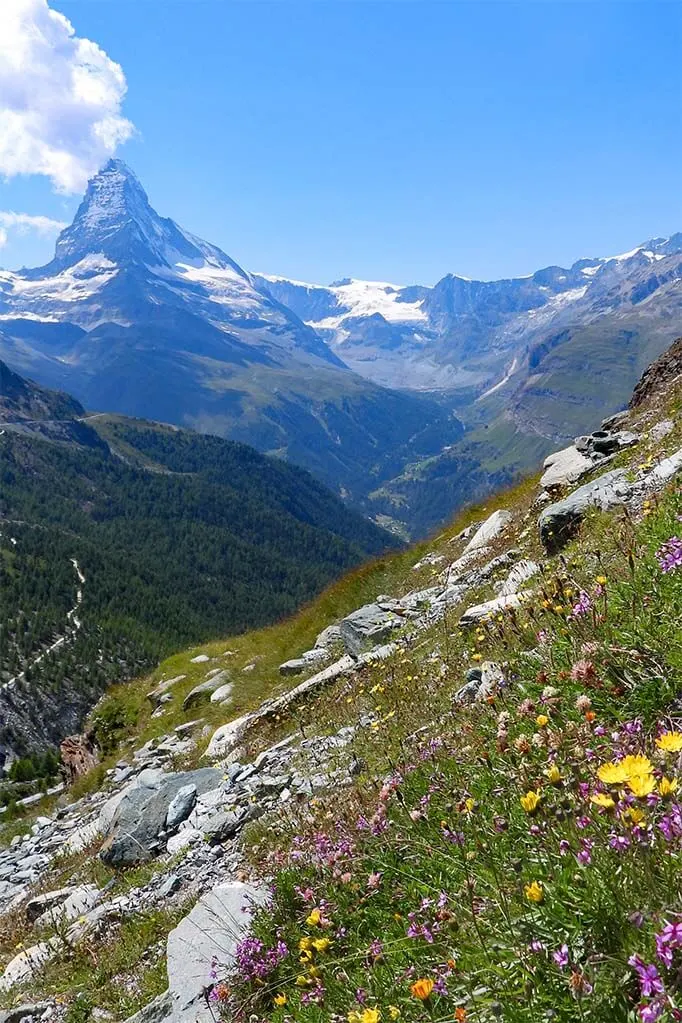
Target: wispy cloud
[23, 223]
[60, 97]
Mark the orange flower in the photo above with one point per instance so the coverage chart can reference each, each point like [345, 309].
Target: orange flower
[590, 715]
[422, 988]
[460, 1015]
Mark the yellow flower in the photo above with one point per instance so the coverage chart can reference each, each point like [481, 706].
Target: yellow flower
[553, 775]
[305, 944]
[321, 944]
[469, 804]
[635, 765]
[542, 721]
[670, 742]
[601, 580]
[422, 988]
[476, 657]
[314, 919]
[303, 981]
[612, 774]
[530, 801]
[633, 815]
[280, 999]
[534, 892]
[667, 786]
[394, 1012]
[601, 799]
[366, 1016]
[641, 785]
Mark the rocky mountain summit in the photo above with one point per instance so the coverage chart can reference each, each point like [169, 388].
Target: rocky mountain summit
[227, 759]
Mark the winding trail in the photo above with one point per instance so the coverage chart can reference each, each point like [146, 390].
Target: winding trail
[75, 624]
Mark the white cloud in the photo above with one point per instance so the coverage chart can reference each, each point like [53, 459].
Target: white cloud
[60, 97]
[22, 223]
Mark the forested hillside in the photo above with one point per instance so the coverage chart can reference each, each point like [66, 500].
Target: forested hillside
[113, 556]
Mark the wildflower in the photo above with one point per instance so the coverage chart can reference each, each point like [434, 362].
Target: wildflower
[422, 988]
[641, 785]
[321, 944]
[612, 774]
[476, 657]
[670, 742]
[542, 721]
[280, 999]
[553, 775]
[394, 1012]
[560, 957]
[460, 1014]
[534, 892]
[670, 554]
[315, 918]
[602, 800]
[669, 939]
[583, 703]
[601, 580]
[579, 984]
[583, 606]
[582, 671]
[635, 765]
[649, 979]
[530, 801]
[667, 786]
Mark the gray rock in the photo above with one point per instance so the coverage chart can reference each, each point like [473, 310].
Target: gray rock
[222, 693]
[558, 522]
[662, 429]
[169, 886]
[211, 932]
[520, 573]
[27, 1011]
[328, 637]
[293, 667]
[491, 528]
[139, 818]
[225, 824]
[616, 420]
[182, 840]
[40, 904]
[368, 626]
[160, 1009]
[26, 963]
[202, 692]
[200, 659]
[181, 806]
[492, 607]
[160, 692]
[80, 900]
[564, 467]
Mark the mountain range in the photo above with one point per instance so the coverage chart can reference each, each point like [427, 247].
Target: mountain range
[406, 400]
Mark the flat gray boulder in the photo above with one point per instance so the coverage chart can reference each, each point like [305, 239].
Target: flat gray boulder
[181, 806]
[367, 627]
[209, 934]
[564, 467]
[559, 522]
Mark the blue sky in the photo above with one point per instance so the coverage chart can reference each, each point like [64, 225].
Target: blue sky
[393, 141]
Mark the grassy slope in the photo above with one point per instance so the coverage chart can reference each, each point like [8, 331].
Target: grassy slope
[451, 821]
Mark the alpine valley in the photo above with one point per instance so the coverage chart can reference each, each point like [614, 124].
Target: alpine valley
[407, 401]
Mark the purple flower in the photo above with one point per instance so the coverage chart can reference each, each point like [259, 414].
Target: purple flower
[560, 957]
[670, 554]
[669, 939]
[583, 607]
[619, 842]
[649, 979]
[651, 1012]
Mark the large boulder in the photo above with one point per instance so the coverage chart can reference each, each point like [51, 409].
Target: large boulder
[139, 818]
[558, 522]
[367, 627]
[489, 531]
[208, 935]
[564, 467]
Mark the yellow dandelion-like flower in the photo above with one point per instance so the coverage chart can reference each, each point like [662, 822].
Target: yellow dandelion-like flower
[601, 580]
[553, 775]
[612, 774]
[530, 801]
[601, 799]
[641, 785]
[534, 892]
[322, 944]
[667, 786]
[280, 999]
[670, 742]
[314, 919]
[542, 721]
[422, 988]
[636, 765]
[394, 1012]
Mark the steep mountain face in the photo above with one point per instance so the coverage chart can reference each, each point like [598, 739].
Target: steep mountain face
[137, 316]
[121, 540]
[470, 338]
